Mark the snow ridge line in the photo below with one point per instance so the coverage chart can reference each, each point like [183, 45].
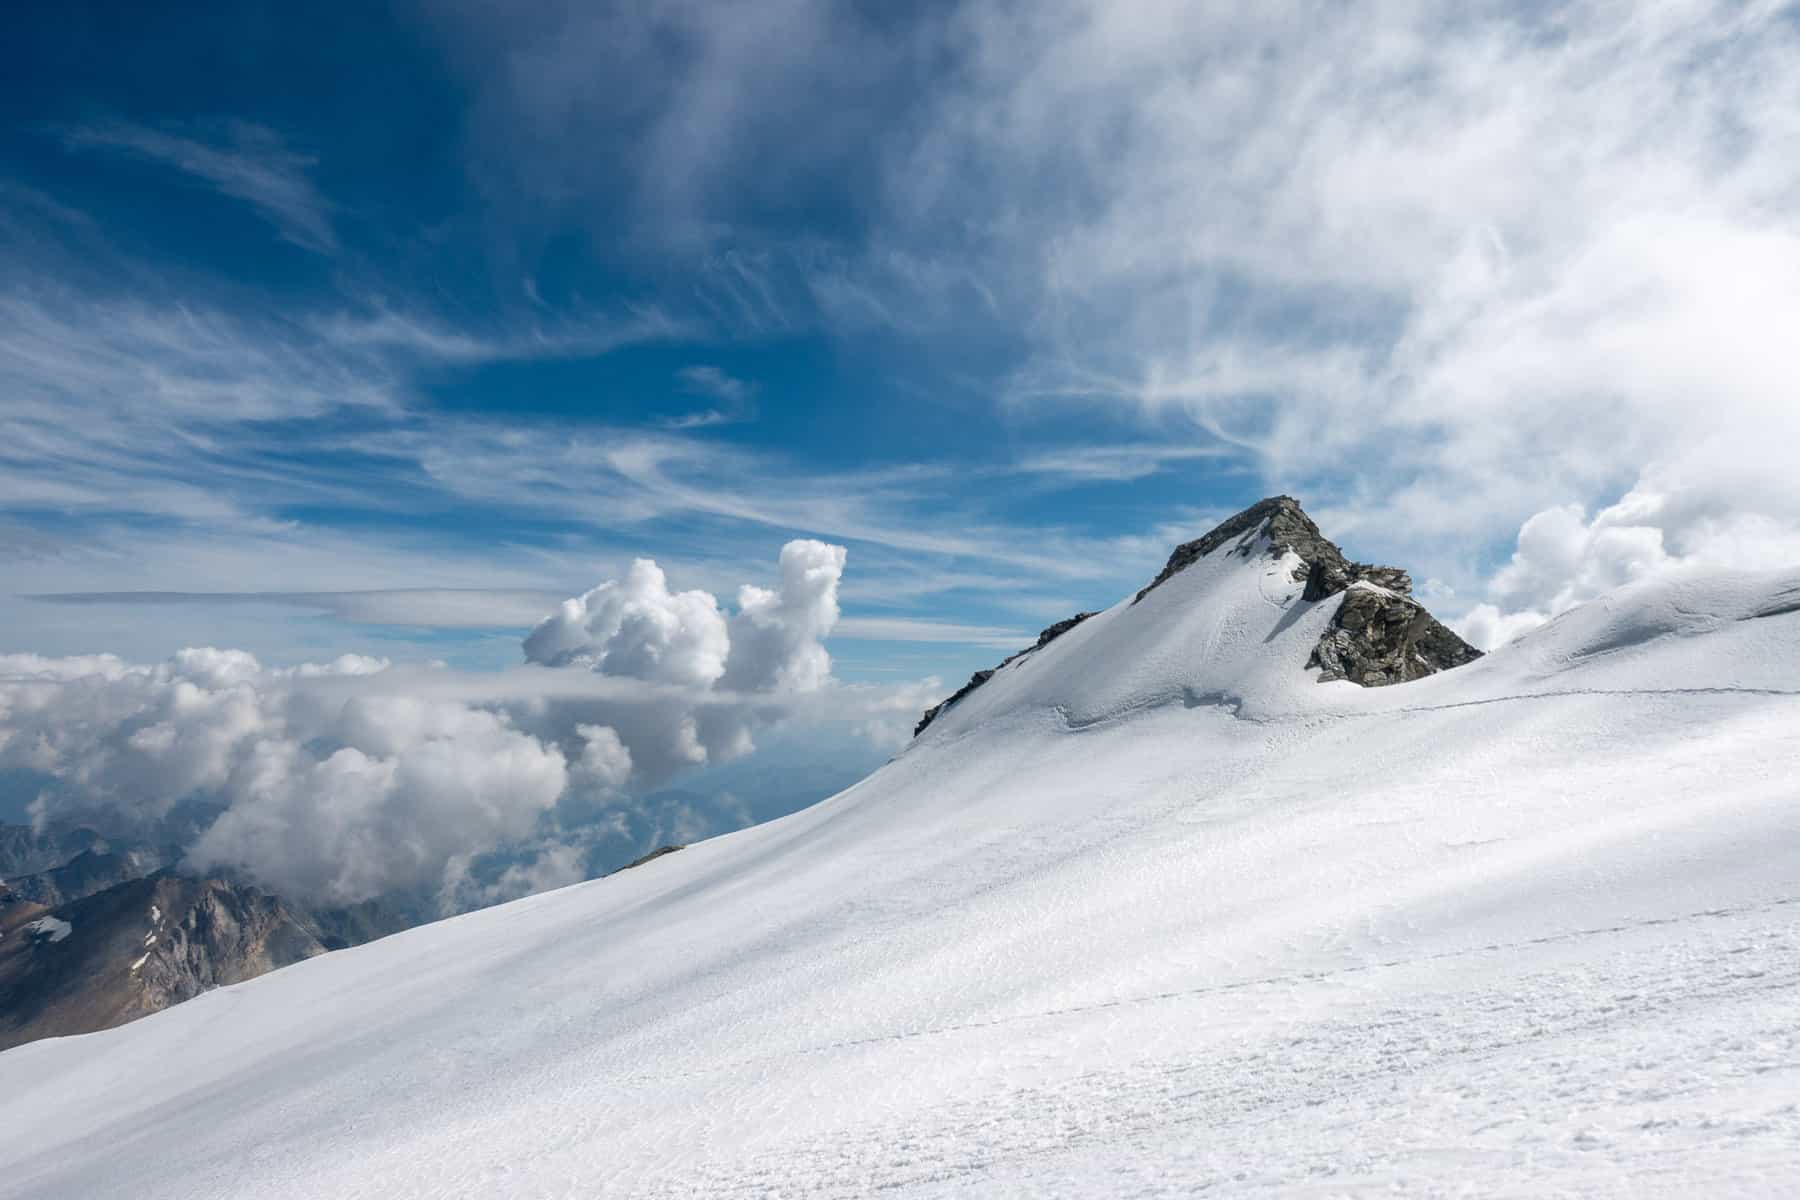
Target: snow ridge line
[1688, 691]
[1214, 989]
[1189, 698]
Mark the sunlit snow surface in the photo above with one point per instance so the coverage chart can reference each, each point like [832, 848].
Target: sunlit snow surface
[1149, 914]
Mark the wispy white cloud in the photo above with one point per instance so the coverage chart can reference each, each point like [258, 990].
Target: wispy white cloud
[122, 407]
[736, 398]
[252, 163]
[421, 608]
[380, 329]
[1434, 269]
[1432, 265]
[1116, 463]
[623, 475]
[917, 629]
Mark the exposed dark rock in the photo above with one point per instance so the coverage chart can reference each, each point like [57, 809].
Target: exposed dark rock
[1379, 634]
[980, 677]
[654, 854]
[26, 851]
[1280, 518]
[1380, 637]
[975, 681]
[134, 949]
[88, 872]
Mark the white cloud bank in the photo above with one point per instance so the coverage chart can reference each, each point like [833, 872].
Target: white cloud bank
[341, 781]
[1433, 266]
[1564, 558]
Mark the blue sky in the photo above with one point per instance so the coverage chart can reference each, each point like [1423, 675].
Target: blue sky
[355, 317]
[384, 329]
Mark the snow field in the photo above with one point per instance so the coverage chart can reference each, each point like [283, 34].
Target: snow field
[1149, 914]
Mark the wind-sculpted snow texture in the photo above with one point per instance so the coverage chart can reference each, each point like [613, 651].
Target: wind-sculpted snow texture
[1151, 913]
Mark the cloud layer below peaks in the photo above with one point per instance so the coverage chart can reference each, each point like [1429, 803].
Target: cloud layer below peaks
[339, 782]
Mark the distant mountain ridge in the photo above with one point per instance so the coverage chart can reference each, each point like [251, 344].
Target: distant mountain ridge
[136, 948]
[88, 872]
[116, 930]
[25, 850]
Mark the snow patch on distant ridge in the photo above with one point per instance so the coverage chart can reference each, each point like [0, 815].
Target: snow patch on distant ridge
[50, 929]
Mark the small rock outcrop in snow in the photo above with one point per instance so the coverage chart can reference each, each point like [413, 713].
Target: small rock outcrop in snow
[651, 857]
[980, 677]
[1379, 634]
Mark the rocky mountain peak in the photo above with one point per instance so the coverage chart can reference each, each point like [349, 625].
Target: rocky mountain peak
[1289, 530]
[1379, 634]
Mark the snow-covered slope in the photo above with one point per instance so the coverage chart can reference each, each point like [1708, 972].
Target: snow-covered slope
[1150, 912]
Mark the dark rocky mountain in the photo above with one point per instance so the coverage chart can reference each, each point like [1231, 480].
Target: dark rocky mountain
[97, 931]
[113, 934]
[26, 851]
[1378, 635]
[88, 872]
[136, 948]
[100, 931]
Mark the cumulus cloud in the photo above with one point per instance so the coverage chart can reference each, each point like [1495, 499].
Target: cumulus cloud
[604, 759]
[776, 636]
[553, 864]
[337, 782]
[637, 628]
[723, 672]
[322, 798]
[1563, 557]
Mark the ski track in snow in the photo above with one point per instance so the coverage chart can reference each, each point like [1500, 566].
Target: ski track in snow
[1149, 914]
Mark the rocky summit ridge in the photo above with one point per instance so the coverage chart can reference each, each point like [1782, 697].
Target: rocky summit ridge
[1378, 635]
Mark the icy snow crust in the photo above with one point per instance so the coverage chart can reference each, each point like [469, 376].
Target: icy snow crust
[1150, 913]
